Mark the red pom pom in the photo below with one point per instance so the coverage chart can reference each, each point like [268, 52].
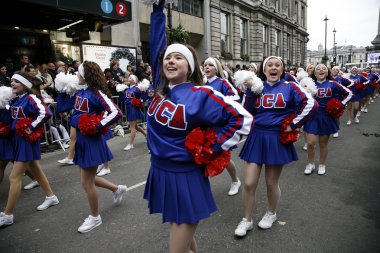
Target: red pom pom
[88, 124]
[360, 86]
[288, 137]
[199, 144]
[23, 124]
[136, 102]
[334, 108]
[5, 130]
[217, 165]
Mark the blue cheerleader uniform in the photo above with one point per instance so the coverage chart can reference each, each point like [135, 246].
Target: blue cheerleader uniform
[27, 106]
[92, 150]
[176, 185]
[6, 142]
[133, 113]
[270, 108]
[224, 87]
[321, 123]
[358, 94]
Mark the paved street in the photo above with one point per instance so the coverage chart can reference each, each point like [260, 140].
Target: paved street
[337, 212]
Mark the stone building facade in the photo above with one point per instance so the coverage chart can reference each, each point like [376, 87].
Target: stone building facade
[243, 31]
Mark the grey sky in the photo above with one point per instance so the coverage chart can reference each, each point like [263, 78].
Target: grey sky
[355, 22]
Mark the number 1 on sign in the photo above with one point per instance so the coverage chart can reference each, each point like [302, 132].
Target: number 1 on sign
[106, 6]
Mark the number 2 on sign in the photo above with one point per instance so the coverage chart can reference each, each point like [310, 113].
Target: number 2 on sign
[121, 9]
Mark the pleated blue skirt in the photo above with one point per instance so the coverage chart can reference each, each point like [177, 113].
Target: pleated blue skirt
[6, 148]
[108, 135]
[321, 124]
[133, 113]
[179, 191]
[25, 151]
[263, 146]
[91, 150]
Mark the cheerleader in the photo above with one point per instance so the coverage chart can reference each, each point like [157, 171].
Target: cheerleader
[276, 102]
[319, 127]
[337, 77]
[26, 154]
[128, 93]
[91, 150]
[6, 143]
[176, 186]
[359, 84]
[216, 79]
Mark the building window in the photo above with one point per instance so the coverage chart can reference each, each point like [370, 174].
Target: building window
[243, 36]
[192, 7]
[303, 18]
[296, 12]
[277, 42]
[224, 32]
[265, 40]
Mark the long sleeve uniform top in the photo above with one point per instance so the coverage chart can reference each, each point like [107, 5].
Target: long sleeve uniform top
[187, 107]
[29, 106]
[91, 102]
[224, 87]
[329, 89]
[279, 100]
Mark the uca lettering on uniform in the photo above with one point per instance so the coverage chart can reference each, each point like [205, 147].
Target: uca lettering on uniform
[168, 113]
[322, 92]
[270, 101]
[81, 104]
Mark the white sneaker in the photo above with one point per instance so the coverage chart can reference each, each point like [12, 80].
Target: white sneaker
[348, 122]
[100, 167]
[128, 147]
[356, 120]
[31, 185]
[305, 147]
[234, 189]
[358, 114]
[243, 227]
[90, 223]
[362, 109]
[6, 220]
[66, 160]
[309, 168]
[104, 171]
[118, 194]
[365, 110]
[49, 201]
[336, 135]
[267, 221]
[321, 169]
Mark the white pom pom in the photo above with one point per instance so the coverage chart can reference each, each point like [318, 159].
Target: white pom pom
[60, 82]
[143, 85]
[121, 87]
[257, 85]
[301, 74]
[73, 85]
[6, 95]
[245, 79]
[308, 84]
[66, 83]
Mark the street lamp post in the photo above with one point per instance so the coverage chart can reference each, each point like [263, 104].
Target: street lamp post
[334, 50]
[325, 58]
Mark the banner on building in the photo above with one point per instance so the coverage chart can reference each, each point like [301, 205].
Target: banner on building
[103, 55]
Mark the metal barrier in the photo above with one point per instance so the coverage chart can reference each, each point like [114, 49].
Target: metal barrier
[63, 119]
